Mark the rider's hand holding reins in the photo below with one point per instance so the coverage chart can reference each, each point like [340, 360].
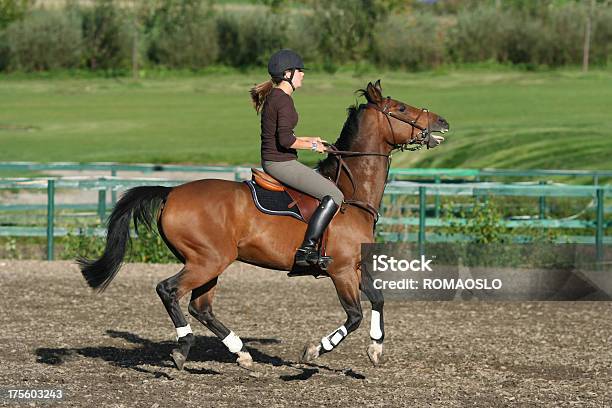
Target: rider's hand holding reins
[315, 144]
[319, 145]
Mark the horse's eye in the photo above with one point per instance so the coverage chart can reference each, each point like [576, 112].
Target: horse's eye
[402, 108]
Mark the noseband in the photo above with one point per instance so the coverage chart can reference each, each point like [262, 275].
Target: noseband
[423, 137]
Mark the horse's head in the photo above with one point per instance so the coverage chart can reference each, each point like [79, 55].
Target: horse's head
[406, 124]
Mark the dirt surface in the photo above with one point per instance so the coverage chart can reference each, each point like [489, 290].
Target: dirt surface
[112, 349]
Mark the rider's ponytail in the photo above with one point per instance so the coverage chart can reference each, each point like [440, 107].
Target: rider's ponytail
[260, 92]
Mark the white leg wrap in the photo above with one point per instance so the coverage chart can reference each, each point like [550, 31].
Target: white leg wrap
[233, 342]
[326, 344]
[331, 340]
[183, 331]
[375, 331]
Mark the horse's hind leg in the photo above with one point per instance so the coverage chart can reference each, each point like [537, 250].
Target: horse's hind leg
[171, 290]
[347, 287]
[377, 326]
[200, 307]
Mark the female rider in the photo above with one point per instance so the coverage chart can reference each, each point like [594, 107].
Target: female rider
[279, 144]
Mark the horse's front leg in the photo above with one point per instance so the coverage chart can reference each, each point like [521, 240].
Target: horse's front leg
[377, 326]
[346, 282]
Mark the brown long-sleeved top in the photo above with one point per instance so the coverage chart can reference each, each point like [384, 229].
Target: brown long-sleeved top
[278, 119]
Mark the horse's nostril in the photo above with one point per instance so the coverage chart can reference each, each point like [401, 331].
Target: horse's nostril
[443, 123]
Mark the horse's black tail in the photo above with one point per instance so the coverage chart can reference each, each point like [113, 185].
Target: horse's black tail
[140, 204]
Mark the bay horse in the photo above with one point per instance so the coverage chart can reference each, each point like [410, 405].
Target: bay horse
[208, 224]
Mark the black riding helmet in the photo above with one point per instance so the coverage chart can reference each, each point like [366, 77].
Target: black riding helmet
[283, 60]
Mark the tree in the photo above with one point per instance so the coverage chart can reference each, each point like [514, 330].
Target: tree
[587, 35]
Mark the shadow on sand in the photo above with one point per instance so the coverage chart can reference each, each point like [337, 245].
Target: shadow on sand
[156, 355]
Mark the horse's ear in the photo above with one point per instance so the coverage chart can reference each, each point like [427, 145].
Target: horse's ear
[373, 93]
[377, 86]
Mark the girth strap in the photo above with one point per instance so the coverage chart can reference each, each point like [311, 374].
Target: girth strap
[366, 207]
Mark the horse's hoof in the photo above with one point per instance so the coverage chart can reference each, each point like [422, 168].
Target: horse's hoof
[245, 360]
[310, 352]
[375, 351]
[178, 358]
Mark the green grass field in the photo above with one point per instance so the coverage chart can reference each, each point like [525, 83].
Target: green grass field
[503, 119]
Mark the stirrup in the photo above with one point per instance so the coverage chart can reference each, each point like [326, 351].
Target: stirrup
[316, 270]
[316, 273]
[312, 257]
[324, 262]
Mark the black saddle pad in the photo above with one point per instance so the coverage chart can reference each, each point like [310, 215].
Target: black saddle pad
[273, 202]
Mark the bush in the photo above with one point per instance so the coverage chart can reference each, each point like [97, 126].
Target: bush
[191, 47]
[337, 42]
[346, 29]
[328, 33]
[561, 37]
[601, 49]
[148, 246]
[106, 37]
[45, 40]
[5, 51]
[484, 224]
[182, 34]
[552, 37]
[23, 248]
[522, 45]
[303, 37]
[74, 246]
[410, 42]
[12, 10]
[478, 35]
[247, 40]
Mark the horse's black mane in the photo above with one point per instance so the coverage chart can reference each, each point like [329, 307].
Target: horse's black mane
[328, 166]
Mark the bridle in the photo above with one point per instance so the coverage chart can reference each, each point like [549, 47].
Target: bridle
[423, 137]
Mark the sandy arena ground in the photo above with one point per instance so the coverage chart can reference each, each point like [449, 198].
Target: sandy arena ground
[112, 349]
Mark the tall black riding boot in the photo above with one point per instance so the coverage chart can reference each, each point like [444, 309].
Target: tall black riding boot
[308, 254]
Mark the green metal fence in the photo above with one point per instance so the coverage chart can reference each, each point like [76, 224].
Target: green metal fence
[481, 174]
[51, 186]
[476, 190]
[395, 188]
[439, 175]
[394, 174]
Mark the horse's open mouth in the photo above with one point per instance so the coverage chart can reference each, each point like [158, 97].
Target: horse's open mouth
[436, 135]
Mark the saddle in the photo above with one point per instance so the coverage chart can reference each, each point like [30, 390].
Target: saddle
[272, 197]
[302, 202]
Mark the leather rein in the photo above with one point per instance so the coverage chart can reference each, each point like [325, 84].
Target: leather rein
[423, 137]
